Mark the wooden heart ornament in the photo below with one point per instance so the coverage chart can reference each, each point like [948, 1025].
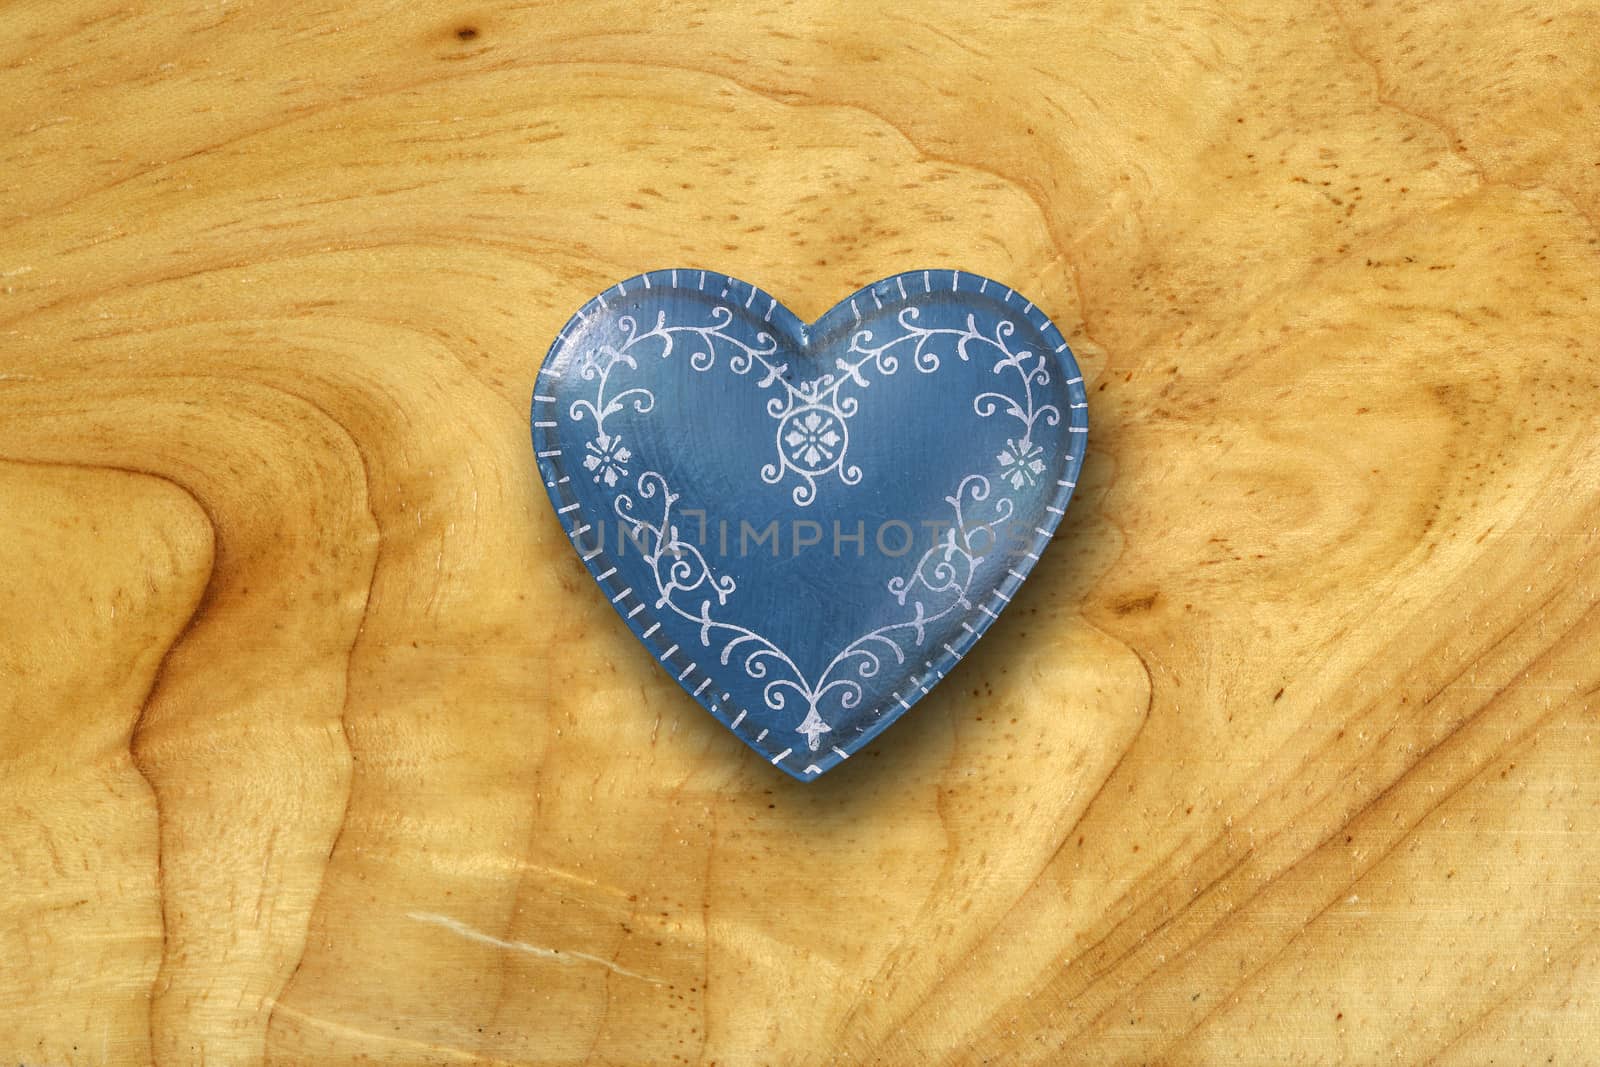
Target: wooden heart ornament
[809, 526]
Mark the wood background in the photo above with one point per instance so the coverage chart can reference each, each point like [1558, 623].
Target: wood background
[317, 745]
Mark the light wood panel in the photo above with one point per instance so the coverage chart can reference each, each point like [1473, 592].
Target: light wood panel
[318, 746]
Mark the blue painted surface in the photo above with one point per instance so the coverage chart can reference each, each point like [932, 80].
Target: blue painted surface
[808, 526]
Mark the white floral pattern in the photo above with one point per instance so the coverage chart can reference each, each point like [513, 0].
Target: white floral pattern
[936, 587]
[606, 457]
[813, 438]
[1021, 463]
[813, 414]
[812, 441]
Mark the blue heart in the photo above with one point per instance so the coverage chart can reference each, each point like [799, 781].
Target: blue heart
[808, 526]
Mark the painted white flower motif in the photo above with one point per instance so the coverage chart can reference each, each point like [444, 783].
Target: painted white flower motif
[606, 458]
[937, 589]
[813, 437]
[813, 440]
[1020, 463]
[813, 727]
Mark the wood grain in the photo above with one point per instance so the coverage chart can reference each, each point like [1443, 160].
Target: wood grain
[318, 746]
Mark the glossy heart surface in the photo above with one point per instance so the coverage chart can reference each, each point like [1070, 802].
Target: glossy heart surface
[809, 525]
